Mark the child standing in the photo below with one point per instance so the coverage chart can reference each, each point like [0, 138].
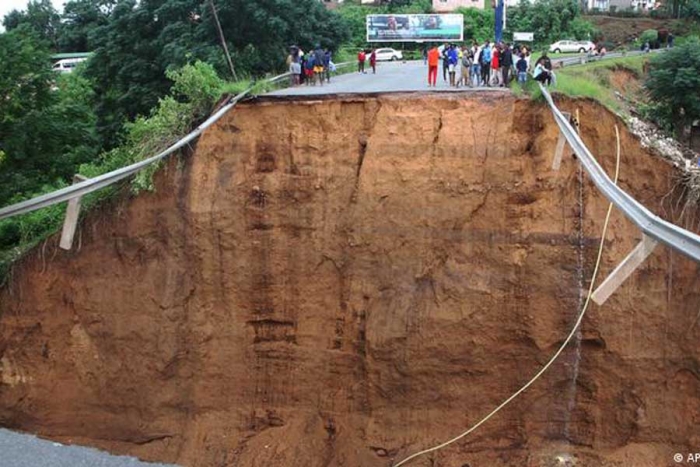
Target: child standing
[521, 66]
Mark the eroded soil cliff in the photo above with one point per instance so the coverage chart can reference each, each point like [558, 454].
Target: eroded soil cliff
[343, 282]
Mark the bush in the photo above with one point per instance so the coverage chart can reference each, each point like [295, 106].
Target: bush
[673, 83]
[195, 90]
[650, 36]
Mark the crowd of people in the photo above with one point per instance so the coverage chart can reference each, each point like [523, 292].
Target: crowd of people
[310, 68]
[487, 64]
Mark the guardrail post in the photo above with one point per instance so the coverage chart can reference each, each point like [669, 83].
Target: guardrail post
[561, 142]
[71, 220]
[624, 269]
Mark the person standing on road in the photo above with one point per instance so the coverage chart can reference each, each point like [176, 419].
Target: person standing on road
[373, 61]
[361, 56]
[495, 79]
[465, 67]
[327, 60]
[433, 62]
[445, 61]
[309, 69]
[506, 64]
[485, 63]
[476, 65]
[295, 66]
[452, 61]
[319, 64]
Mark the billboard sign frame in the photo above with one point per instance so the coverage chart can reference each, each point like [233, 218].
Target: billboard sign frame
[523, 37]
[415, 27]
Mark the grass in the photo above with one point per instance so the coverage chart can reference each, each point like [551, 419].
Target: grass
[593, 80]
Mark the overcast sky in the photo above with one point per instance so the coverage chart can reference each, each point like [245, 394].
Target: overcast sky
[7, 6]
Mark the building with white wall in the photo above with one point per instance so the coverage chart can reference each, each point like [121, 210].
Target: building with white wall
[447, 6]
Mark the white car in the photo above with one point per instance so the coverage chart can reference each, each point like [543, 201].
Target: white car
[387, 54]
[572, 46]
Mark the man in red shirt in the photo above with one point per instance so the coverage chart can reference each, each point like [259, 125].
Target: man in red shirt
[361, 61]
[433, 61]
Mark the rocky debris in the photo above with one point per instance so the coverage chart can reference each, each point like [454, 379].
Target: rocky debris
[652, 138]
[682, 157]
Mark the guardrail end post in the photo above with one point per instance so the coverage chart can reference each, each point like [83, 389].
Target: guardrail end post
[561, 143]
[625, 269]
[70, 222]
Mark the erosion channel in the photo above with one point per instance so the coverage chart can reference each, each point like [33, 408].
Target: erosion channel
[344, 281]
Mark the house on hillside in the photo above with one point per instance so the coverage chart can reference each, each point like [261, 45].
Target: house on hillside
[447, 6]
[330, 4]
[637, 5]
[602, 5]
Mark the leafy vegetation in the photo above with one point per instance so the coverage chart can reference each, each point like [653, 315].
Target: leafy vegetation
[595, 80]
[44, 133]
[673, 84]
[196, 88]
[550, 21]
[157, 67]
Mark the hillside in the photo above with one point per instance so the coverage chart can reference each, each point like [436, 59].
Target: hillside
[625, 30]
[339, 282]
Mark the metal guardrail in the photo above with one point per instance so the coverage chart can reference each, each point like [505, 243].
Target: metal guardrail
[679, 239]
[93, 184]
[583, 59]
[101, 181]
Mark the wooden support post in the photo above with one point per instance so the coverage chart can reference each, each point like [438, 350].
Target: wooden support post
[624, 269]
[71, 220]
[559, 152]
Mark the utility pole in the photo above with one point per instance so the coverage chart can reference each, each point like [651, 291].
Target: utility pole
[222, 39]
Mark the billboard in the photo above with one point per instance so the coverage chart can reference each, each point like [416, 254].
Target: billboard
[523, 36]
[415, 28]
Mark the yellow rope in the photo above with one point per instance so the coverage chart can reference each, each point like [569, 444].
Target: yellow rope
[561, 348]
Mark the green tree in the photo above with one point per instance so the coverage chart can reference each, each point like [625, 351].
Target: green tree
[142, 40]
[550, 20]
[479, 25]
[673, 82]
[79, 20]
[40, 16]
[47, 123]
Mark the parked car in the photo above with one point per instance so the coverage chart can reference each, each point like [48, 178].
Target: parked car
[572, 46]
[387, 54]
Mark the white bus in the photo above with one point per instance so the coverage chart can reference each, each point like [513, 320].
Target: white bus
[67, 64]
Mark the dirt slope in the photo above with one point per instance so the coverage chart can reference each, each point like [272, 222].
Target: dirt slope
[343, 282]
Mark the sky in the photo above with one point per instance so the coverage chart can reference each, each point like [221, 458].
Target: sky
[7, 6]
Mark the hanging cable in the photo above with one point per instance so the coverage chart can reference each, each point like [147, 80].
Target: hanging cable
[558, 352]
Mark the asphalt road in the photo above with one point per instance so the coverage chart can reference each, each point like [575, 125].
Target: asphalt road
[406, 77]
[390, 77]
[18, 450]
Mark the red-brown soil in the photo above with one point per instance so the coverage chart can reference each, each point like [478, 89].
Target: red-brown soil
[343, 282]
[626, 82]
[625, 30]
